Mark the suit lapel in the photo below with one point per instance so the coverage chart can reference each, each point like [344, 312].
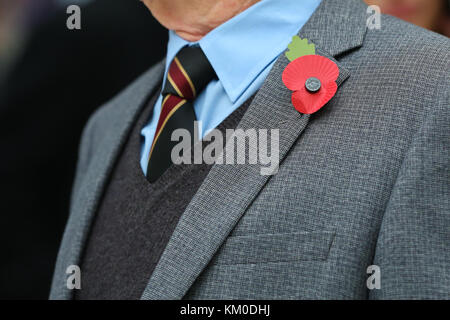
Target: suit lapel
[336, 27]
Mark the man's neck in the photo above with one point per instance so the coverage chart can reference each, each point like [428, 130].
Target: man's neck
[193, 19]
[213, 16]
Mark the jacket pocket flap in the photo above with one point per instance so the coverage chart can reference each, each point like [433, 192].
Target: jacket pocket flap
[284, 247]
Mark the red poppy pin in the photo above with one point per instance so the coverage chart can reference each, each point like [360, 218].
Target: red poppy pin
[311, 77]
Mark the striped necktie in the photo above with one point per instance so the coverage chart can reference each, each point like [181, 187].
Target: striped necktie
[188, 75]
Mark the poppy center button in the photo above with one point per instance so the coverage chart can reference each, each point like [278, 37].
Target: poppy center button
[313, 84]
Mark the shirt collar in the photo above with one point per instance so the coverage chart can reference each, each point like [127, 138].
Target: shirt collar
[241, 48]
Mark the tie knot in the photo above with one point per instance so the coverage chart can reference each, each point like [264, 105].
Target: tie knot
[188, 74]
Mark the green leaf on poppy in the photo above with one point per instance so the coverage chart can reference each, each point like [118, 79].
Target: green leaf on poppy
[300, 47]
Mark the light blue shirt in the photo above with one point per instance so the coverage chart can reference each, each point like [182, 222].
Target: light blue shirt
[242, 51]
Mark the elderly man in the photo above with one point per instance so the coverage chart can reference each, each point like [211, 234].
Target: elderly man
[359, 207]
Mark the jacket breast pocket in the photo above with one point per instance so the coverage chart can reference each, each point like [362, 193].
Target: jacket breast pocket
[281, 247]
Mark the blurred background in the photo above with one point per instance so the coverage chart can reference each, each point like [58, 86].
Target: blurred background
[429, 14]
[51, 80]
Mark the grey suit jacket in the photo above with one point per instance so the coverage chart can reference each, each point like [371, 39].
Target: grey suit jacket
[365, 181]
